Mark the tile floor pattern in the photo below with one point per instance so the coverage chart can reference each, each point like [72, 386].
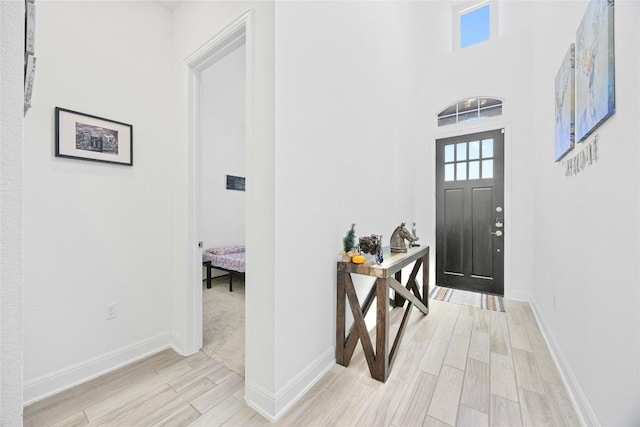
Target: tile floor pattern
[459, 366]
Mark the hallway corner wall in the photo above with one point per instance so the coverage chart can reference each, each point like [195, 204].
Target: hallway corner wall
[586, 233]
[194, 24]
[97, 233]
[11, 202]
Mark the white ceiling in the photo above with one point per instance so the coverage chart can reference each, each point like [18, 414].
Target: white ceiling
[170, 5]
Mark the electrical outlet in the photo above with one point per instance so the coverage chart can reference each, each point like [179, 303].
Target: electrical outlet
[112, 311]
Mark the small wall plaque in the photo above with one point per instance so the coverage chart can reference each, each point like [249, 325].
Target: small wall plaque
[235, 183]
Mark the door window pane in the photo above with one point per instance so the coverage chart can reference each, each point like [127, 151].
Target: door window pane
[474, 150]
[487, 148]
[469, 115]
[461, 151]
[470, 109]
[468, 105]
[474, 170]
[461, 171]
[449, 172]
[489, 102]
[448, 120]
[491, 111]
[487, 169]
[449, 153]
[451, 110]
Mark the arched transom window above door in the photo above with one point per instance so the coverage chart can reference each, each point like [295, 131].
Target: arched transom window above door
[470, 109]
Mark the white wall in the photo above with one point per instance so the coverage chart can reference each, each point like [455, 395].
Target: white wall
[11, 163]
[346, 127]
[354, 109]
[195, 23]
[496, 68]
[586, 243]
[222, 132]
[94, 233]
[572, 239]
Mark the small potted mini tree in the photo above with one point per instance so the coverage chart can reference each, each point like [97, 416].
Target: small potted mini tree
[349, 244]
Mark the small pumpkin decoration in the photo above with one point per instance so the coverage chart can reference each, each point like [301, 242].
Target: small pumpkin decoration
[358, 259]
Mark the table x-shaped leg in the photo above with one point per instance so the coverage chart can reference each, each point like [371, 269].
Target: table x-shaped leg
[381, 361]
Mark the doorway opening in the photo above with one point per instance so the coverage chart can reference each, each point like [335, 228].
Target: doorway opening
[232, 43]
[221, 130]
[470, 212]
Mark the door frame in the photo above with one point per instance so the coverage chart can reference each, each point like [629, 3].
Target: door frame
[468, 281]
[232, 36]
[461, 130]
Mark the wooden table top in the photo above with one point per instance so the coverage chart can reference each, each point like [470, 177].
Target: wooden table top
[393, 262]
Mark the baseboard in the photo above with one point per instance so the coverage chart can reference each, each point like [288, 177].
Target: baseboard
[55, 382]
[578, 399]
[301, 383]
[273, 405]
[177, 344]
[519, 296]
[261, 400]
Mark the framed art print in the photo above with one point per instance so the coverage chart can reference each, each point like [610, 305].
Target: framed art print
[565, 105]
[595, 60]
[86, 137]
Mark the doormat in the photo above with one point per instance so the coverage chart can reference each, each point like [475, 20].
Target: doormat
[474, 299]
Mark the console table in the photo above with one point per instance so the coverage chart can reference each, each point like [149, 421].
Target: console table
[388, 275]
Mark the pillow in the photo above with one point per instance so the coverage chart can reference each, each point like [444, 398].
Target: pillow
[226, 250]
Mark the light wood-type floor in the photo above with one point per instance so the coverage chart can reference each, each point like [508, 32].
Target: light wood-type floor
[458, 366]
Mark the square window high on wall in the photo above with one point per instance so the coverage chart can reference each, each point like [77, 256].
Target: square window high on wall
[475, 22]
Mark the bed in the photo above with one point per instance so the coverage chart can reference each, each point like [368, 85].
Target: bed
[227, 258]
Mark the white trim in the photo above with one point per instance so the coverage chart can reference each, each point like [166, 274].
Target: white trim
[225, 41]
[193, 338]
[219, 45]
[261, 400]
[466, 129]
[473, 7]
[267, 403]
[519, 296]
[576, 394]
[62, 379]
[301, 383]
[177, 344]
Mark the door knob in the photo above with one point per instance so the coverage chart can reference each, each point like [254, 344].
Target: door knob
[497, 233]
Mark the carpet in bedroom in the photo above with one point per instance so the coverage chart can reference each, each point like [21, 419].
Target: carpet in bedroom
[223, 322]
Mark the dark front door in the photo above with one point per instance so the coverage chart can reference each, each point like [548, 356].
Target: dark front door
[470, 212]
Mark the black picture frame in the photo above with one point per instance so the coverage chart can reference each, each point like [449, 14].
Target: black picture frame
[88, 137]
[235, 183]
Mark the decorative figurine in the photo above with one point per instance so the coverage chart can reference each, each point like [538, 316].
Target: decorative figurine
[368, 244]
[415, 236]
[379, 258]
[372, 245]
[398, 237]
